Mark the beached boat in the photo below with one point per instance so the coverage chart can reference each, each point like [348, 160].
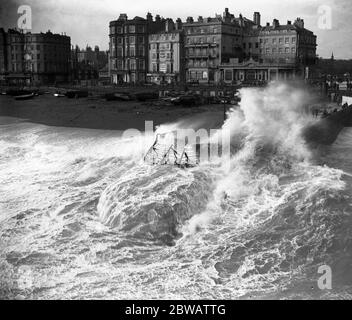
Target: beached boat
[144, 96]
[59, 95]
[118, 96]
[187, 100]
[77, 94]
[18, 92]
[25, 96]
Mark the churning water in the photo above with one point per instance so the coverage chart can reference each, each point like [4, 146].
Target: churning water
[81, 215]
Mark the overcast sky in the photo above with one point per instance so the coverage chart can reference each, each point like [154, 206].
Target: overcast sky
[86, 21]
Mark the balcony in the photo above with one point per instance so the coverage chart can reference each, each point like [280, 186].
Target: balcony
[194, 45]
[198, 56]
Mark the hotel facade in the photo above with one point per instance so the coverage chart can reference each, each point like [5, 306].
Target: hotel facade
[129, 47]
[40, 58]
[166, 55]
[214, 50]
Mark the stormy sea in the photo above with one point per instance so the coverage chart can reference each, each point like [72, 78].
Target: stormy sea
[83, 217]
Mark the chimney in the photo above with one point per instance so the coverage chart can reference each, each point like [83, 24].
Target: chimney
[149, 17]
[189, 20]
[268, 24]
[256, 18]
[299, 23]
[178, 24]
[276, 23]
[123, 17]
[157, 18]
[169, 25]
[226, 13]
[289, 22]
[200, 19]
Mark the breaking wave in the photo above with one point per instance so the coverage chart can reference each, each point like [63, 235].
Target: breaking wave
[99, 223]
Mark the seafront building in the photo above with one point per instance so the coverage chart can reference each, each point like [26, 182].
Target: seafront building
[86, 65]
[215, 50]
[129, 47]
[34, 58]
[166, 54]
[273, 52]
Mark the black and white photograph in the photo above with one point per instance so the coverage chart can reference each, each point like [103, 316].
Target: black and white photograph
[175, 151]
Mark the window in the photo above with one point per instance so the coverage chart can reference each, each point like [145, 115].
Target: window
[287, 40]
[228, 75]
[287, 50]
[132, 29]
[119, 52]
[141, 51]
[168, 68]
[266, 41]
[140, 29]
[274, 50]
[119, 64]
[294, 40]
[281, 51]
[132, 64]
[274, 40]
[132, 51]
[119, 40]
[141, 64]
[267, 50]
[132, 40]
[119, 30]
[281, 40]
[140, 39]
[256, 45]
[293, 50]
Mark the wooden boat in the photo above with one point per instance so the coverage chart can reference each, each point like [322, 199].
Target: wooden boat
[118, 96]
[25, 96]
[144, 96]
[18, 92]
[59, 95]
[77, 94]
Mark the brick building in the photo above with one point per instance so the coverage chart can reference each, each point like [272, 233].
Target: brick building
[86, 64]
[208, 43]
[273, 52]
[166, 54]
[3, 56]
[220, 49]
[39, 58]
[129, 47]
